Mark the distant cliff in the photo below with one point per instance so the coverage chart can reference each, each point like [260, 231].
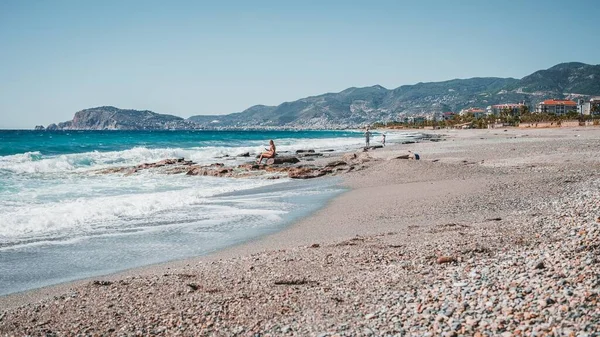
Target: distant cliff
[111, 118]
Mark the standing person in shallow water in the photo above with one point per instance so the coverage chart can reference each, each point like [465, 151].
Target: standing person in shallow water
[383, 139]
[367, 137]
[270, 153]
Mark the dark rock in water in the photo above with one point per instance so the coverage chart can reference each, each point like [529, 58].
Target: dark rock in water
[245, 154]
[312, 154]
[305, 151]
[330, 150]
[408, 142]
[39, 128]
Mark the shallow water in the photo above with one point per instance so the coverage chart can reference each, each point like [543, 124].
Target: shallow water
[61, 221]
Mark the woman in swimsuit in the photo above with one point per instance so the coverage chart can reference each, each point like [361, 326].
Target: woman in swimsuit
[269, 154]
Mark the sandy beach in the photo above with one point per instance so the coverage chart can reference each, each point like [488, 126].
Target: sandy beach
[493, 232]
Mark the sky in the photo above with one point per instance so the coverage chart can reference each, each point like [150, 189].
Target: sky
[213, 57]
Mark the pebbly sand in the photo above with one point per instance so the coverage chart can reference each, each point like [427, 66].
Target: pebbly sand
[492, 232]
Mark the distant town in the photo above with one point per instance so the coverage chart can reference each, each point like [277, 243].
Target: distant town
[550, 112]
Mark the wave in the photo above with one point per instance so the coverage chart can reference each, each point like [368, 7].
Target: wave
[35, 162]
[81, 215]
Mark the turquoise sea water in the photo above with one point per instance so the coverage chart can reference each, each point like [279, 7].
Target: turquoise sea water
[60, 220]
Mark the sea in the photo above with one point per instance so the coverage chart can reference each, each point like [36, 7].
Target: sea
[60, 220]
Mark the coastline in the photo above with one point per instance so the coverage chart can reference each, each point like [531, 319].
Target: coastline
[412, 211]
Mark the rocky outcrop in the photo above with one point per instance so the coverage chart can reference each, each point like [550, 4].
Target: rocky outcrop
[111, 118]
[39, 128]
[291, 167]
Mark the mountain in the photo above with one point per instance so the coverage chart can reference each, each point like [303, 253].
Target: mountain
[111, 118]
[574, 77]
[358, 106]
[355, 107]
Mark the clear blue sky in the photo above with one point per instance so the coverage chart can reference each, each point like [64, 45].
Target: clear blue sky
[199, 57]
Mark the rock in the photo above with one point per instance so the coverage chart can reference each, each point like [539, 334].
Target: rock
[356, 158]
[39, 128]
[212, 170]
[445, 259]
[315, 245]
[245, 154]
[336, 163]
[282, 160]
[540, 265]
[305, 151]
[305, 173]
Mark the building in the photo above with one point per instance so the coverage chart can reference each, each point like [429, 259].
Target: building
[556, 106]
[589, 108]
[498, 109]
[449, 115]
[476, 112]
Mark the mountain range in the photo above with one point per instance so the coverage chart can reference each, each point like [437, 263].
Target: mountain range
[355, 107]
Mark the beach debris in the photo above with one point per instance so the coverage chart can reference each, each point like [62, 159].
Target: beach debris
[193, 286]
[315, 245]
[101, 283]
[445, 259]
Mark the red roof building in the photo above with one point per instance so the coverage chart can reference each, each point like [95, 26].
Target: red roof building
[556, 106]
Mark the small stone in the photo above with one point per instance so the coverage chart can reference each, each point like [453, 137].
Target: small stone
[540, 265]
[445, 259]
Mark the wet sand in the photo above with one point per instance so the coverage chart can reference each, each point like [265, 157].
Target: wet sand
[476, 237]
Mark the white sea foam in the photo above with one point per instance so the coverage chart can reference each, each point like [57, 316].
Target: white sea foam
[61, 208]
[43, 198]
[34, 162]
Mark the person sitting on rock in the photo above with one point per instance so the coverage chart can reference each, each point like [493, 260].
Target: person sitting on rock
[270, 153]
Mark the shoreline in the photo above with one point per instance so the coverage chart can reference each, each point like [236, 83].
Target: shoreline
[377, 214]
